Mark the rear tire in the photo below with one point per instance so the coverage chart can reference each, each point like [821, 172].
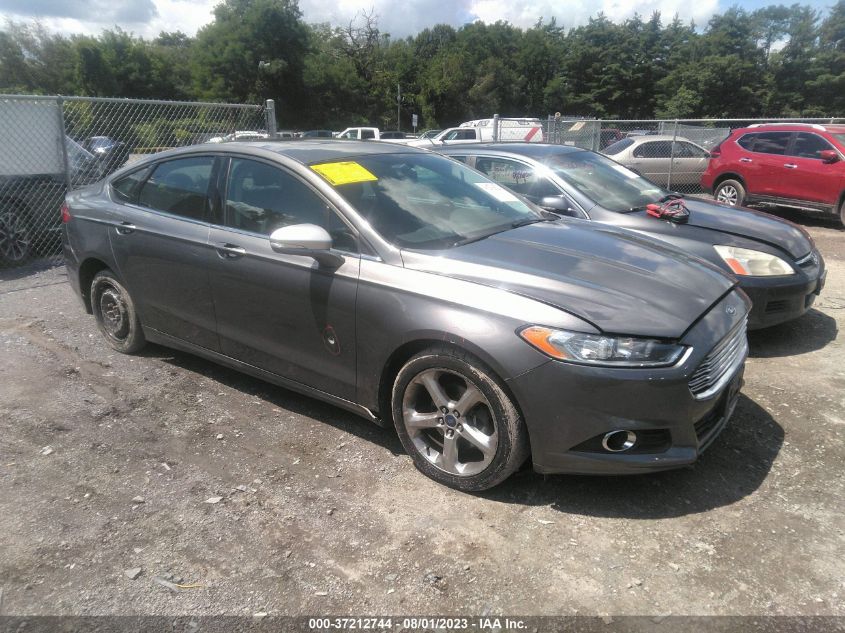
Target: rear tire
[15, 236]
[456, 421]
[115, 313]
[731, 193]
[842, 213]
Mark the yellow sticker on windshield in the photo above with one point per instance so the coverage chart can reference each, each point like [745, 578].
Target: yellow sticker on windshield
[343, 173]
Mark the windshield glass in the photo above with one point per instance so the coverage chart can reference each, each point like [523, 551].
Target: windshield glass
[426, 201]
[606, 182]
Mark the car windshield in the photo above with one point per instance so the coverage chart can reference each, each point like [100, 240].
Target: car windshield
[605, 182]
[426, 201]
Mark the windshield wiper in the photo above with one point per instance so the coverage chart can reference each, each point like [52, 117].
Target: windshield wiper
[526, 221]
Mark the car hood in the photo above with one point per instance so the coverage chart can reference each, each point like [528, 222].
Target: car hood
[740, 222]
[617, 280]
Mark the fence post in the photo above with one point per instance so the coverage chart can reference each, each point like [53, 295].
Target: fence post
[270, 117]
[60, 113]
[495, 127]
[672, 155]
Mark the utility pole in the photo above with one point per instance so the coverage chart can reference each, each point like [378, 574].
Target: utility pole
[398, 107]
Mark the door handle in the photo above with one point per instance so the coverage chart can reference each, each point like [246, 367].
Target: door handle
[791, 166]
[745, 160]
[125, 228]
[230, 251]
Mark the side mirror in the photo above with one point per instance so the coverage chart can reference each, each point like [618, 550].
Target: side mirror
[829, 156]
[559, 205]
[308, 240]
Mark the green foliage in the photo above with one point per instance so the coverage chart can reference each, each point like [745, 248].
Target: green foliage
[777, 60]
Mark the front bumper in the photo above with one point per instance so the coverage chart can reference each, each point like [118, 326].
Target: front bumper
[568, 408]
[779, 299]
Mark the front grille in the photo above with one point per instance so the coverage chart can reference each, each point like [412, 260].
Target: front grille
[718, 366]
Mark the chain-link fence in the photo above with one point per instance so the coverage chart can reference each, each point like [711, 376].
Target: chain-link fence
[672, 153]
[51, 144]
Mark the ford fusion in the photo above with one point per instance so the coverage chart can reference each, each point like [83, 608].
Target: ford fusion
[775, 261]
[414, 291]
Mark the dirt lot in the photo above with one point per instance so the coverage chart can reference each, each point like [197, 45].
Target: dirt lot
[321, 512]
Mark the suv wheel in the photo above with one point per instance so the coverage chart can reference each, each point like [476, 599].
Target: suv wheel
[456, 421]
[731, 193]
[15, 237]
[115, 313]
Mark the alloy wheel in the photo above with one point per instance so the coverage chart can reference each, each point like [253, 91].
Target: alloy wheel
[450, 422]
[14, 237]
[727, 195]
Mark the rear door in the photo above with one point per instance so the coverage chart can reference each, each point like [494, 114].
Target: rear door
[651, 159]
[769, 156]
[806, 176]
[160, 244]
[688, 163]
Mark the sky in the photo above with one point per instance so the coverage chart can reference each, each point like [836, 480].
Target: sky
[397, 17]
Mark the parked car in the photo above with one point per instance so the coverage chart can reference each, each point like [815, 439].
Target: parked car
[665, 160]
[405, 287]
[794, 165]
[317, 134]
[393, 134]
[608, 136]
[775, 261]
[110, 154]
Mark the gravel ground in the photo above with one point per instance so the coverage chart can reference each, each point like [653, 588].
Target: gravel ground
[116, 471]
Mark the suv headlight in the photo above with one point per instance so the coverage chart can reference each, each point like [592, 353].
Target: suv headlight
[745, 262]
[597, 349]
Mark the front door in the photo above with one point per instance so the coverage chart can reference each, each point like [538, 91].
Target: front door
[283, 313]
[160, 243]
[806, 176]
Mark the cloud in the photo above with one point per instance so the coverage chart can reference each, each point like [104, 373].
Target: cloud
[97, 11]
[148, 17]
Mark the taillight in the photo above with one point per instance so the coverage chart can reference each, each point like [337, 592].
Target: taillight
[716, 151]
[66, 216]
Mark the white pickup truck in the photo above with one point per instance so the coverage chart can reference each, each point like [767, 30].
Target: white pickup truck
[481, 130]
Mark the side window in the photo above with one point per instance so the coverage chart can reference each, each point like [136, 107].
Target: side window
[365, 134]
[261, 198]
[517, 177]
[772, 143]
[808, 145]
[655, 149]
[179, 186]
[463, 159]
[747, 141]
[687, 150]
[126, 189]
[468, 135]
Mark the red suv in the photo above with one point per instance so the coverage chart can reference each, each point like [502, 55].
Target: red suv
[796, 165]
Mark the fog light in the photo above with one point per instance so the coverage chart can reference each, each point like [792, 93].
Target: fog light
[619, 441]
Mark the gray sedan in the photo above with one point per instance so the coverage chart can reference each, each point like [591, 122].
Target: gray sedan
[407, 288]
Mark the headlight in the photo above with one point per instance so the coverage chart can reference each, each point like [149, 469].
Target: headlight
[744, 262]
[596, 349]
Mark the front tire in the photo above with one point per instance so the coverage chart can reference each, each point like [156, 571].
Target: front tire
[842, 213]
[731, 193]
[115, 313]
[456, 421]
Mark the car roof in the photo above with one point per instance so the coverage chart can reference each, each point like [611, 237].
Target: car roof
[305, 151]
[532, 150]
[793, 126]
